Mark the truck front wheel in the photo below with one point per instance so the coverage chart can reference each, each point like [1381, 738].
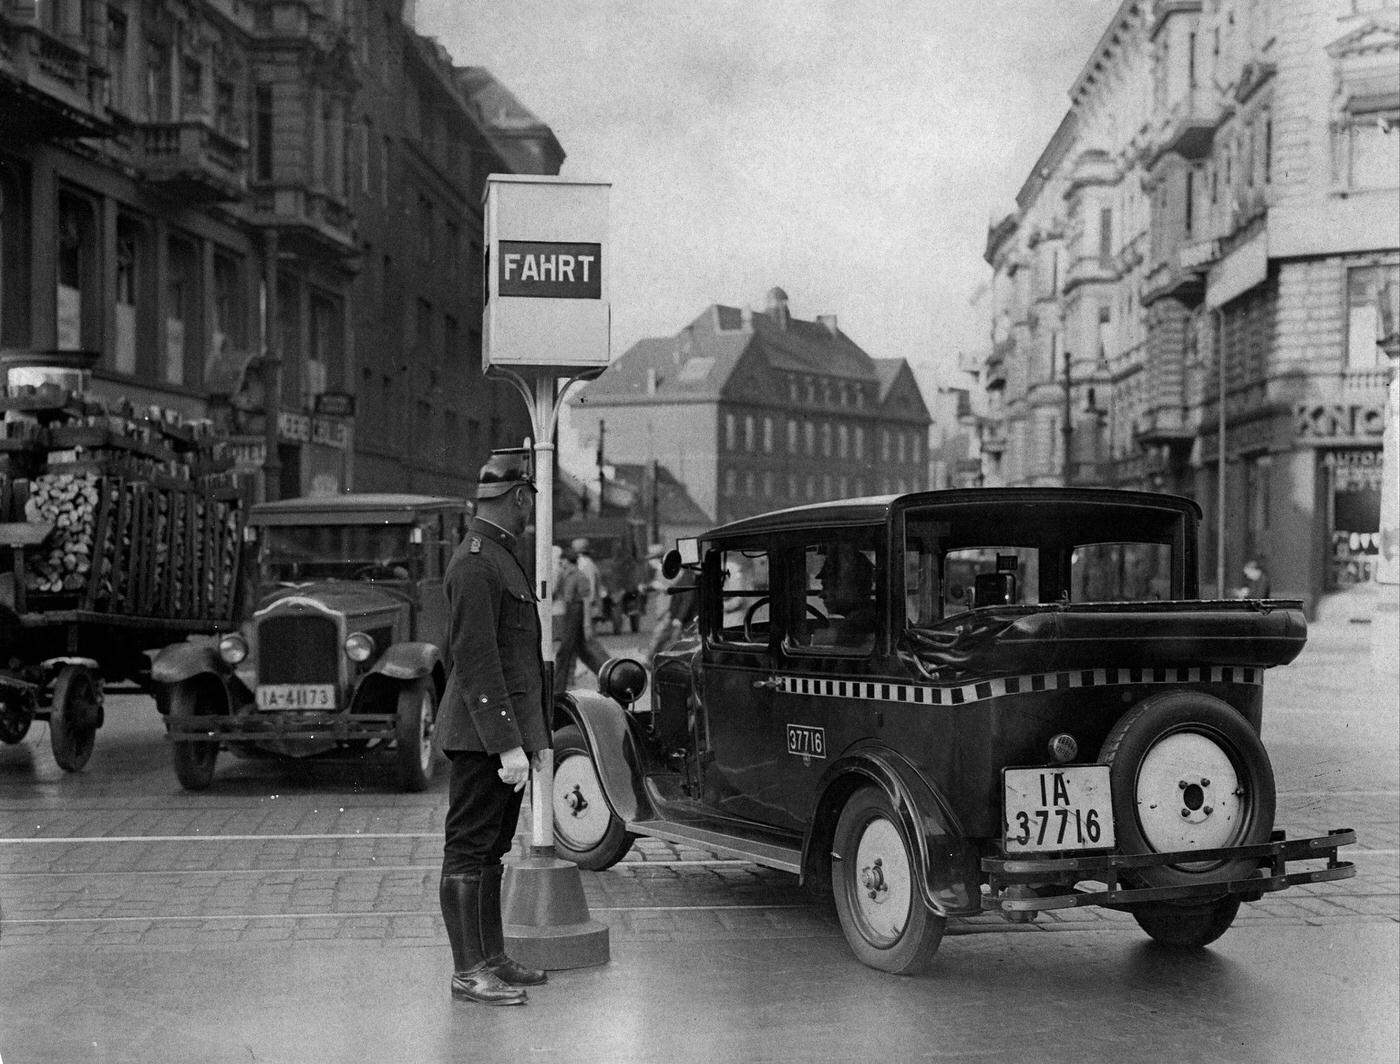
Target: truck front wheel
[200, 696]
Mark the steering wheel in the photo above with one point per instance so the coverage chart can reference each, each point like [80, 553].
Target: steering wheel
[757, 603]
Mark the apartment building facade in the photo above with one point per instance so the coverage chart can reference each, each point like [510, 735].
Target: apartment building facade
[1217, 216]
[264, 213]
[752, 410]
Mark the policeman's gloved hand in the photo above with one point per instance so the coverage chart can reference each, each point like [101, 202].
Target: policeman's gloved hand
[515, 768]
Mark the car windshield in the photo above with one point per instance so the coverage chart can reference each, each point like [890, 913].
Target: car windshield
[298, 553]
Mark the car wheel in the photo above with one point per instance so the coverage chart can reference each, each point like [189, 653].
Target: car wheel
[876, 886]
[1188, 927]
[413, 735]
[1188, 773]
[194, 761]
[586, 830]
[75, 714]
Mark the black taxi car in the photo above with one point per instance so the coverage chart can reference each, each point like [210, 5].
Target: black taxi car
[341, 650]
[947, 702]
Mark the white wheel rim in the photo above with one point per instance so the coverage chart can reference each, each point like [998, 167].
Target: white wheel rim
[425, 731]
[881, 882]
[581, 813]
[1189, 796]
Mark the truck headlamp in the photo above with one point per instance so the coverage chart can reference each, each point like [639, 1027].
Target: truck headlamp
[233, 649]
[359, 647]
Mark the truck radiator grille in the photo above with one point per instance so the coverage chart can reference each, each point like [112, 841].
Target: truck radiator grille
[298, 649]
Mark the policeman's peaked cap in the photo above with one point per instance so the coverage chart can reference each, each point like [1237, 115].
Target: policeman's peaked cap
[505, 469]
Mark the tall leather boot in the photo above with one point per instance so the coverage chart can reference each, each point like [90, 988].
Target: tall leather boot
[493, 940]
[472, 980]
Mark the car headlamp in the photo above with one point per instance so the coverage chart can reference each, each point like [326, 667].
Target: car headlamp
[233, 649]
[359, 647]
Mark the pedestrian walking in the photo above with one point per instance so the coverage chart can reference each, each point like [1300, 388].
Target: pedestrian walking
[491, 724]
[590, 652]
[575, 623]
[1256, 581]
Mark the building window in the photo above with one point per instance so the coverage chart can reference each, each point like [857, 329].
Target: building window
[826, 485]
[423, 325]
[731, 435]
[1373, 304]
[181, 290]
[809, 433]
[767, 435]
[792, 435]
[119, 91]
[731, 482]
[843, 442]
[811, 486]
[425, 228]
[884, 445]
[158, 87]
[1367, 149]
[1105, 235]
[748, 433]
[191, 88]
[826, 439]
[1190, 200]
[749, 484]
[262, 133]
[768, 485]
[860, 443]
[899, 446]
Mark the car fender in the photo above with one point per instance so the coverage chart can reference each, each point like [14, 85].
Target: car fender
[184, 661]
[408, 661]
[608, 731]
[947, 863]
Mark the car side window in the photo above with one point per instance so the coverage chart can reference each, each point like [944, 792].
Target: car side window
[744, 595]
[832, 603]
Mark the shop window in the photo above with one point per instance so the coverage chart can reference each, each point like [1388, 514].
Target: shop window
[181, 293]
[77, 312]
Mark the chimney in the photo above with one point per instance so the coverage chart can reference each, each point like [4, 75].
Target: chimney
[829, 320]
[777, 307]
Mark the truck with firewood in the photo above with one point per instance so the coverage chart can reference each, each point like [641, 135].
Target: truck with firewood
[120, 532]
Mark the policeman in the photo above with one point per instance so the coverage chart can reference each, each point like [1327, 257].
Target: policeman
[492, 719]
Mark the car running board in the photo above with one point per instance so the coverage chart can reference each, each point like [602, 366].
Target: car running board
[770, 855]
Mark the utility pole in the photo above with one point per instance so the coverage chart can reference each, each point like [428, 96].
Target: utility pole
[602, 432]
[655, 501]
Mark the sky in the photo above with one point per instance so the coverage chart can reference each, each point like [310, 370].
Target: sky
[851, 152]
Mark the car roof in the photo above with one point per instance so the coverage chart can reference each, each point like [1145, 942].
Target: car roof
[876, 509]
[352, 508]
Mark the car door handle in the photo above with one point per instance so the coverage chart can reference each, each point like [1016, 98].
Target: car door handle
[770, 684]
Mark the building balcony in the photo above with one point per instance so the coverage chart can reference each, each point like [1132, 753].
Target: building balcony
[993, 438]
[1181, 273]
[996, 365]
[49, 86]
[1089, 269]
[1164, 427]
[308, 221]
[1190, 126]
[193, 161]
[1093, 167]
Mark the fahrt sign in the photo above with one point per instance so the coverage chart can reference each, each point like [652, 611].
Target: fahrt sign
[546, 274]
[550, 271]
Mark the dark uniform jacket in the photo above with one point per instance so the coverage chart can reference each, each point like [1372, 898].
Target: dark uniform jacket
[494, 699]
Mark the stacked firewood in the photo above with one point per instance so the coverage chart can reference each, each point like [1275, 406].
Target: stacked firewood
[69, 502]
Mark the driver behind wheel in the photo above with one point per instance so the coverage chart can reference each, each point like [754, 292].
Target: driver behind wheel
[847, 594]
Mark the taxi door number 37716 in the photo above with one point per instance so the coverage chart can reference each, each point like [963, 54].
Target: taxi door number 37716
[1062, 808]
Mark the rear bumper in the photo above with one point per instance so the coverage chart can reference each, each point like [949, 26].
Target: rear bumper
[284, 724]
[1102, 873]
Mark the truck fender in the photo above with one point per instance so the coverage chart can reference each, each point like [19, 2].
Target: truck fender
[408, 661]
[184, 661]
[947, 863]
[608, 732]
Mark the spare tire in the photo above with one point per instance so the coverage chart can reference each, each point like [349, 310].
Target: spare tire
[1188, 772]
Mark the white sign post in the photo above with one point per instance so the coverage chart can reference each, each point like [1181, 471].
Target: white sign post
[546, 317]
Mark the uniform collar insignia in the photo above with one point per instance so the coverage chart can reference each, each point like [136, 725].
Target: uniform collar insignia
[492, 531]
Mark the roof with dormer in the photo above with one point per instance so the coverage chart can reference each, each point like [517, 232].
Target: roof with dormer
[732, 353]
